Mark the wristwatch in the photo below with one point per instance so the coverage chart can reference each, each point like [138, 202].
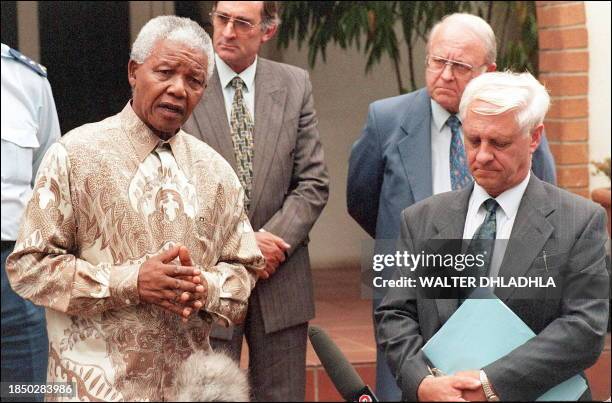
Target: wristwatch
[486, 387]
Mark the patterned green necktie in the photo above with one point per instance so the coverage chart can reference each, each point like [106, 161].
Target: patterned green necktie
[242, 137]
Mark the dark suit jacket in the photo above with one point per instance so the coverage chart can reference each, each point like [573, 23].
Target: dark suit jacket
[290, 180]
[390, 164]
[570, 322]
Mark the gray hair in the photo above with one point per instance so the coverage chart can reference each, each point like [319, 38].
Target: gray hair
[179, 29]
[477, 25]
[505, 91]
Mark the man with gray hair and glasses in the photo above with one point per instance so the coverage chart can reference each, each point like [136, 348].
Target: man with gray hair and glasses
[135, 239]
[411, 146]
[551, 233]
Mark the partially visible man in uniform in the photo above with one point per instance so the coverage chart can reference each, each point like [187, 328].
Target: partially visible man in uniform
[260, 116]
[135, 226]
[29, 127]
[411, 146]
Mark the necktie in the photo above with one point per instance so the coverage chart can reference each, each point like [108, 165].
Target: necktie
[460, 176]
[483, 243]
[242, 138]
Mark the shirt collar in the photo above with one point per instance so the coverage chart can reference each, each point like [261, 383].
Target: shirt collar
[140, 135]
[439, 115]
[509, 201]
[226, 73]
[5, 51]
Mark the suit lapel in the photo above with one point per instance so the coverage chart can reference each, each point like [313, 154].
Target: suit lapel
[218, 134]
[415, 148]
[269, 105]
[449, 221]
[530, 232]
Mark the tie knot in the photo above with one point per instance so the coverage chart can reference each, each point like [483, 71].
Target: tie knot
[491, 205]
[453, 122]
[237, 83]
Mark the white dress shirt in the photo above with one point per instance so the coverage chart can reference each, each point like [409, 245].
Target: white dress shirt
[440, 149]
[226, 74]
[29, 127]
[509, 202]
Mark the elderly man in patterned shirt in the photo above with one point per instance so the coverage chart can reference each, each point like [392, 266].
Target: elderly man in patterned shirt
[135, 239]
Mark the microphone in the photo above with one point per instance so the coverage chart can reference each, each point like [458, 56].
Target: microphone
[210, 377]
[342, 374]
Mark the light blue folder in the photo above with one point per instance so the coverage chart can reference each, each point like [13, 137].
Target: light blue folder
[482, 331]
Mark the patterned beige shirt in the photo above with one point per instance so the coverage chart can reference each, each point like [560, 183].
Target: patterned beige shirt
[108, 196]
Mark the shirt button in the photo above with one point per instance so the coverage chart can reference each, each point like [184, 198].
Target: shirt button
[127, 301]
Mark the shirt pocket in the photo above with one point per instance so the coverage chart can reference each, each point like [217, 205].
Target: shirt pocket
[18, 145]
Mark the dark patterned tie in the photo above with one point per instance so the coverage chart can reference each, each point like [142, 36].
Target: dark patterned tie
[242, 137]
[460, 175]
[483, 242]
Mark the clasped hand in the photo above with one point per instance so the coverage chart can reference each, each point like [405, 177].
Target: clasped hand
[178, 289]
[464, 386]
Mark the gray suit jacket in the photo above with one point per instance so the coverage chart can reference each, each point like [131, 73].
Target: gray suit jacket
[570, 322]
[390, 164]
[290, 180]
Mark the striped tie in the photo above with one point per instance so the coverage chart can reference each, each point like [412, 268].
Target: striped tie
[242, 137]
[460, 176]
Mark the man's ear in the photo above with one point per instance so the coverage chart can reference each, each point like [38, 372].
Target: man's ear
[491, 67]
[536, 138]
[132, 67]
[269, 33]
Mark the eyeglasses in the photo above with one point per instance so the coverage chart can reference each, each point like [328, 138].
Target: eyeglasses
[240, 26]
[438, 64]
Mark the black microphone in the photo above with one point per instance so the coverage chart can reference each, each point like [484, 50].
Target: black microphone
[342, 374]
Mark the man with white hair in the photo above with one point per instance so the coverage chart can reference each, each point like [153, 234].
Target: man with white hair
[135, 239]
[411, 146]
[551, 233]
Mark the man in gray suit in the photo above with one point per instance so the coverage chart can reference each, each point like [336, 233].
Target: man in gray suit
[551, 234]
[260, 116]
[411, 146]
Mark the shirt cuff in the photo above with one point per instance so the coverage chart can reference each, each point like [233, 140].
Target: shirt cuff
[123, 285]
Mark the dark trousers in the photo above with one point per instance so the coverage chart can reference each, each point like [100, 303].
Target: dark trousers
[277, 361]
[386, 386]
[24, 336]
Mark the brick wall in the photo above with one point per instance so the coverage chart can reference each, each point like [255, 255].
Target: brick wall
[564, 70]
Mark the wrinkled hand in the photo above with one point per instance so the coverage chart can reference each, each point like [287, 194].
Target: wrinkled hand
[164, 284]
[476, 395]
[446, 388]
[273, 249]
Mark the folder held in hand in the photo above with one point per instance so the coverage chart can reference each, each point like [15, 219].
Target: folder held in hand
[463, 343]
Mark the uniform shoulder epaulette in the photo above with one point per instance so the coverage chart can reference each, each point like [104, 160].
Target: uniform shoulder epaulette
[37, 67]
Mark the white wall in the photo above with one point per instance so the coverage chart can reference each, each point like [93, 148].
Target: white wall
[342, 94]
[598, 27]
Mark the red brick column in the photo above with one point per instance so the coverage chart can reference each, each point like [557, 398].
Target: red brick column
[564, 70]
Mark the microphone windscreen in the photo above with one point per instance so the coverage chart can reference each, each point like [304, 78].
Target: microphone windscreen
[340, 371]
[210, 377]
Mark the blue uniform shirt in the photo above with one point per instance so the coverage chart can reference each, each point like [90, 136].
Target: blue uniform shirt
[29, 127]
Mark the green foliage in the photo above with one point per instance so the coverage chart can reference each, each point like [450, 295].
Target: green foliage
[347, 24]
[522, 54]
